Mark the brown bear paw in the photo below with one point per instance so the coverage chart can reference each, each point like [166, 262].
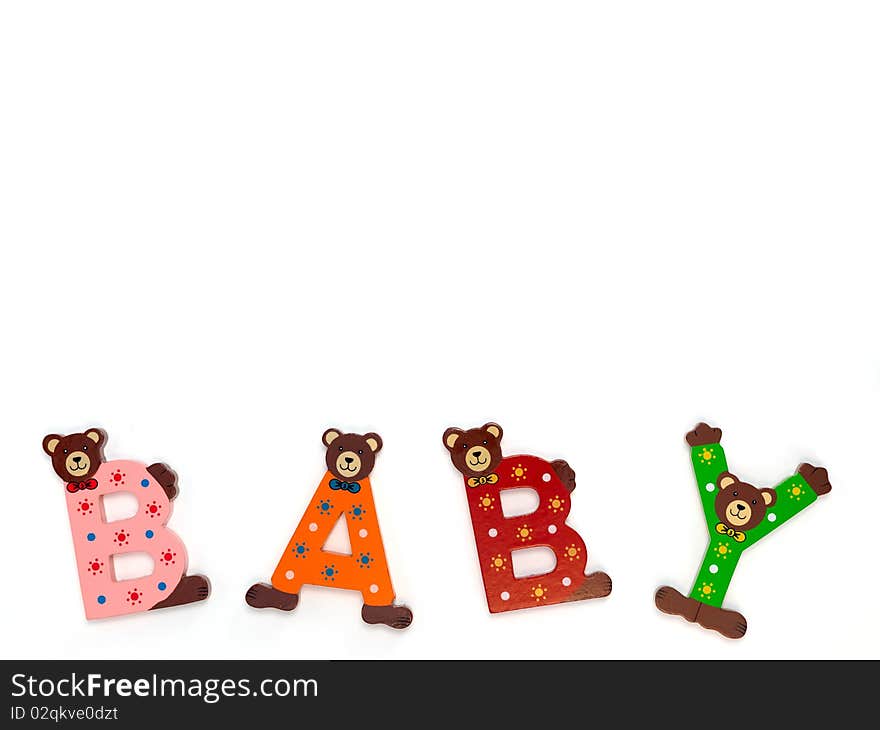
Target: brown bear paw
[727, 623]
[191, 589]
[166, 477]
[703, 434]
[816, 477]
[595, 585]
[565, 473]
[397, 617]
[668, 600]
[262, 595]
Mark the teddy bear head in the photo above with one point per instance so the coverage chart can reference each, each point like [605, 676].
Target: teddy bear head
[351, 456]
[76, 457]
[740, 505]
[475, 452]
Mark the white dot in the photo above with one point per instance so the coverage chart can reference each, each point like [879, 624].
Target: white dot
[289, 575]
[771, 517]
[713, 569]
[493, 533]
[363, 532]
[313, 527]
[505, 595]
[374, 588]
[710, 487]
[546, 477]
[566, 581]
[552, 529]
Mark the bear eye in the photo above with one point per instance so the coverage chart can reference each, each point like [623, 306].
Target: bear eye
[485, 443]
[464, 446]
[65, 451]
[340, 448]
[85, 448]
[736, 494]
[754, 501]
[360, 451]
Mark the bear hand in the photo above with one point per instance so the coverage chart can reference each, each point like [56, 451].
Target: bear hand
[816, 477]
[565, 473]
[166, 477]
[703, 435]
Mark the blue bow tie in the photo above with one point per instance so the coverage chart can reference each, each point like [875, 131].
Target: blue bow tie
[352, 487]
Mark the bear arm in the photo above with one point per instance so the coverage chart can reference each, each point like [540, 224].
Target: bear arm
[703, 435]
[166, 477]
[565, 473]
[816, 477]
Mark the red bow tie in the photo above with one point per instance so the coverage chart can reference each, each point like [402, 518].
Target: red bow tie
[76, 486]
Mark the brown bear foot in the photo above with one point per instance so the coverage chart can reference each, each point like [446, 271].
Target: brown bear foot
[397, 617]
[595, 585]
[192, 588]
[262, 595]
[565, 473]
[727, 623]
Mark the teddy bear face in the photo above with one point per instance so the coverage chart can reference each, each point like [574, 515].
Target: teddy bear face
[75, 457]
[476, 451]
[351, 456]
[741, 505]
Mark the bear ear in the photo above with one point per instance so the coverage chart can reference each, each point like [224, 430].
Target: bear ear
[726, 479]
[50, 443]
[769, 496]
[450, 436]
[374, 441]
[96, 435]
[494, 429]
[330, 435]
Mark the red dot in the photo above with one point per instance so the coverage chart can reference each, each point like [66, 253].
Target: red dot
[84, 506]
[154, 508]
[168, 556]
[121, 537]
[117, 477]
[134, 596]
[96, 566]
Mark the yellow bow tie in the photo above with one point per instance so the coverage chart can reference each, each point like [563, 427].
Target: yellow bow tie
[723, 529]
[480, 481]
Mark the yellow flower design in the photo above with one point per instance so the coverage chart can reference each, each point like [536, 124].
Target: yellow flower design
[499, 562]
[795, 492]
[539, 593]
[707, 589]
[707, 454]
[518, 473]
[557, 504]
[572, 551]
[722, 550]
[524, 533]
[487, 502]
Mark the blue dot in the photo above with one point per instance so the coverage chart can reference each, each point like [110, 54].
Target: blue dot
[145, 482]
[357, 511]
[365, 560]
[149, 534]
[162, 585]
[325, 505]
[102, 600]
[329, 571]
[300, 549]
[91, 538]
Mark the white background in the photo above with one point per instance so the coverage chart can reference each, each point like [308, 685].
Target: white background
[228, 226]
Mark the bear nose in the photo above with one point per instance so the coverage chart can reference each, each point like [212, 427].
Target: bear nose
[77, 459]
[477, 453]
[348, 460]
